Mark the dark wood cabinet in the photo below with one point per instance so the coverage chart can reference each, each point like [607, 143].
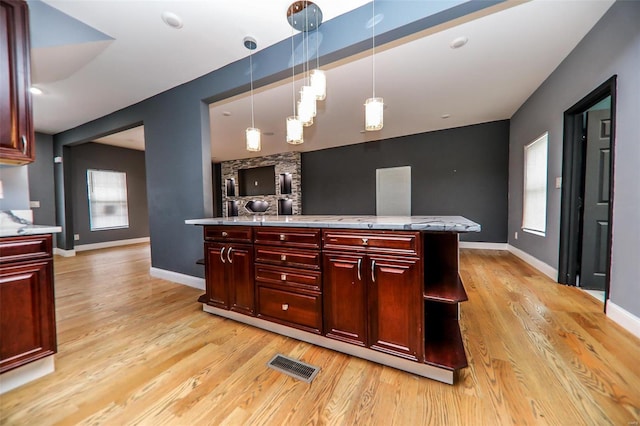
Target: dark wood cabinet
[395, 311]
[345, 298]
[375, 301]
[229, 276]
[27, 313]
[16, 123]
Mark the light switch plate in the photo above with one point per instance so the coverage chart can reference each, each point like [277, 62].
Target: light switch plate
[558, 182]
[34, 204]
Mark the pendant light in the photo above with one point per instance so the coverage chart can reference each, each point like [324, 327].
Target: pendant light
[373, 107]
[295, 134]
[318, 79]
[252, 134]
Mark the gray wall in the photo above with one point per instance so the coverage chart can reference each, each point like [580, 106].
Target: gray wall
[105, 157]
[611, 47]
[461, 171]
[41, 187]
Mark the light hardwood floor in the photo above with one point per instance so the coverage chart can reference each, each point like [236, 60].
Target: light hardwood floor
[138, 350]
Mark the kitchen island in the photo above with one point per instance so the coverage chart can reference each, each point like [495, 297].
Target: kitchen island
[386, 289]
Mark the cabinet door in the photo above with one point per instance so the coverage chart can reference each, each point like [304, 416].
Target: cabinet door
[215, 265]
[27, 317]
[395, 297]
[16, 128]
[240, 276]
[345, 301]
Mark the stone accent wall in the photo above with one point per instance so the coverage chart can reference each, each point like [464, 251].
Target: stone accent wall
[287, 162]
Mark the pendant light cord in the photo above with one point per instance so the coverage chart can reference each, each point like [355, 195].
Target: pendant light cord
[251, 74]
[293, 75]
[317, 45]
[373, 50]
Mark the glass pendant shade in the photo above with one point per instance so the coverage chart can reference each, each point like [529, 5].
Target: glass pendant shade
[319, 84]
[253, 139]
[308, 96]
[294, 131]
[373, 114]
[305, 113]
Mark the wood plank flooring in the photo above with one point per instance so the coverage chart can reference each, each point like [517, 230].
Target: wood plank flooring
[139, 350]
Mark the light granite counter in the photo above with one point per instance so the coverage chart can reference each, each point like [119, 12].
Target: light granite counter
[15, 223]
[398, 223]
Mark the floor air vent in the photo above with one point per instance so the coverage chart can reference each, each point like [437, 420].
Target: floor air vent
[294, 368]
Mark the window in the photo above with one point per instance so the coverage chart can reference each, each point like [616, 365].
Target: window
[107, 199]
[534, 210]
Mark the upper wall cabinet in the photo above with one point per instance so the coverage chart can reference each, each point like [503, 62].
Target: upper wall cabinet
[16, 125]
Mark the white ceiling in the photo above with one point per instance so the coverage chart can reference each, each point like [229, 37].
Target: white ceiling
[509, 54]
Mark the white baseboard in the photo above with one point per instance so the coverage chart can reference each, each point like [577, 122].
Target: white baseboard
[179, 278]
[64, 253]
[107, 244]
[623, 318]
[25, 374]
[483, 246]
[549, 271]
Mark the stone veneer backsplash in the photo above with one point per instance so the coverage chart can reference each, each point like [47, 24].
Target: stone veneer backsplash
[288, 162]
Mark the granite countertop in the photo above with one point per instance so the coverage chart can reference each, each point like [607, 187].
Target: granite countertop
[404, 223]
[15, 223]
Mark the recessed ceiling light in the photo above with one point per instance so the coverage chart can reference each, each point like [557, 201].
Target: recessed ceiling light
[458, 42]
[172, 20]
[35, 90]
[445, 116]
[226, 113]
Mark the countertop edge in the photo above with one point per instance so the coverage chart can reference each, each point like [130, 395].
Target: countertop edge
[29, 230]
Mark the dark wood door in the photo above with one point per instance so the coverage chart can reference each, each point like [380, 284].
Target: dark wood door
[595, 224]
[345, 297]
[395, 298]
[240, 278]
[215, 266]
[27, 315]
[16, 128]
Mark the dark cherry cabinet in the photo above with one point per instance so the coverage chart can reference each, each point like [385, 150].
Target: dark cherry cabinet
[229, 276]
[16, 123]
[374, 301]
[27, 313]
[345, 298]
[395, 315]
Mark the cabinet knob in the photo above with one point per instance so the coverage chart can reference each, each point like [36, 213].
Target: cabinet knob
[282, 237]
[283, 277]
[285, 306]
[365, 241]
[224, 234]
[283, 257]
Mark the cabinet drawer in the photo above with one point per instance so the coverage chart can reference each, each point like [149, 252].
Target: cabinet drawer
[289, 237]
[380, 241]
[13, 249]
[228, 233]
[285, 257]
[311, 280]
[302, 310]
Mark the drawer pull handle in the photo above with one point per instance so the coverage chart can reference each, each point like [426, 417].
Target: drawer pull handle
[373, 271]
[222, 255]
[359, 269]
[224, 234]
[283, 257]
[23, 139]
[283, 277]
[229, 255]
[365, 241]
[282, 237]
[285, 306]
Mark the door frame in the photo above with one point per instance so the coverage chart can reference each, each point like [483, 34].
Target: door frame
[572, 184]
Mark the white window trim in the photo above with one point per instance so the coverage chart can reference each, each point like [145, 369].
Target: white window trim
[539, 232]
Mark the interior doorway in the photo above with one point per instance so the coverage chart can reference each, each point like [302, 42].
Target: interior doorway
[587, 190]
